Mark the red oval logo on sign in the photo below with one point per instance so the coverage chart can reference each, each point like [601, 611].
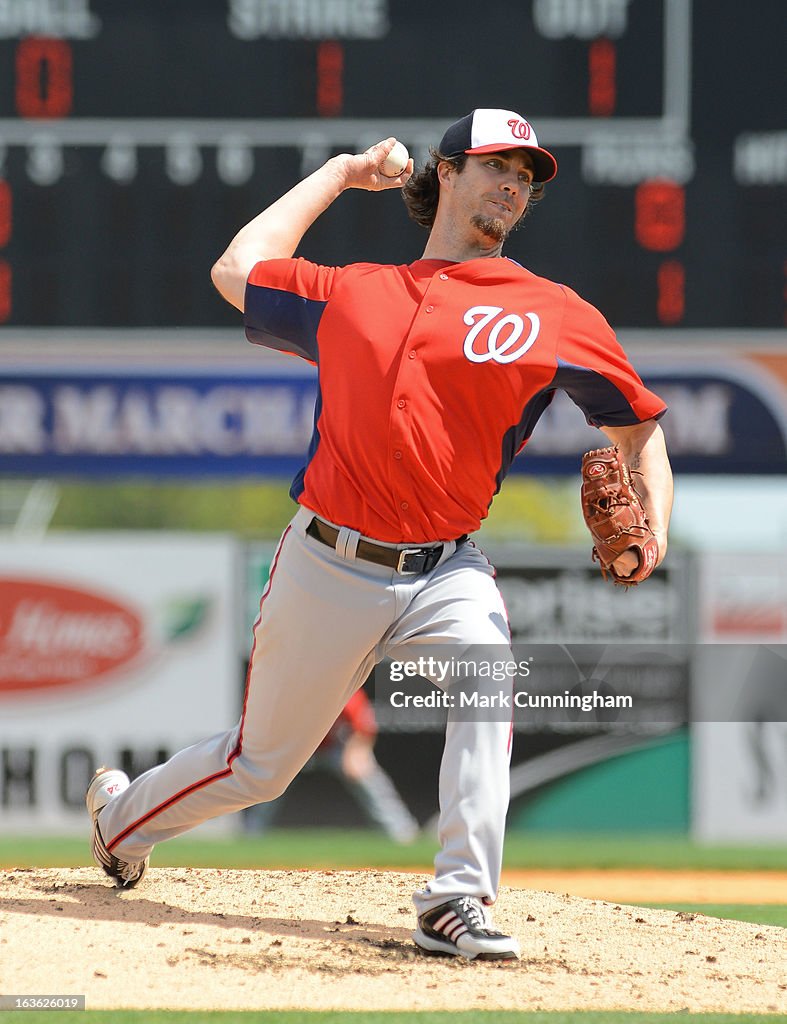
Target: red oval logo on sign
[53, 635]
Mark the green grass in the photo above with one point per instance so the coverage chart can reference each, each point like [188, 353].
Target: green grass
[389, 1017]
[328, 848]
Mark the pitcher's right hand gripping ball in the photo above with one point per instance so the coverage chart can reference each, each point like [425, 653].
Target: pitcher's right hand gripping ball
[615, 516]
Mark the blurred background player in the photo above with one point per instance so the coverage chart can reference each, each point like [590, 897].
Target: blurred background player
[347, 752]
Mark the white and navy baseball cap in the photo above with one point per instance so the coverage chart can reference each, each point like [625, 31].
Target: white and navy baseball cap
[491, 131]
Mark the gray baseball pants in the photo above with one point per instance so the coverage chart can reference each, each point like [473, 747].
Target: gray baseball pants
[326, 618]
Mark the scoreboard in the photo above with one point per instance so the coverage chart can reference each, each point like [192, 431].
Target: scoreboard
[135, 139]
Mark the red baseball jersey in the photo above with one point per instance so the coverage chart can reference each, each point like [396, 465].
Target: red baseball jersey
[432, 377]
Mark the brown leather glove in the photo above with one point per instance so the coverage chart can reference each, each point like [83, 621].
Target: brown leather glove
[615, 516]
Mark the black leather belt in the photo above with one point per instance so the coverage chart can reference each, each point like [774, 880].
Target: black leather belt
[410, 561]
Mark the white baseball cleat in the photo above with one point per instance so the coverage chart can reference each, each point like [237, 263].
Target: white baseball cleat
[106, 784]
[462, 927]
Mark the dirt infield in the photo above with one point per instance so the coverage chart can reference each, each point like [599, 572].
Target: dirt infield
[649, 885]
[210, 939]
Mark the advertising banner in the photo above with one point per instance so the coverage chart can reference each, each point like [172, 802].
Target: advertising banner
[739, 768]
[230, 417]
[115, 649]
[155, 425]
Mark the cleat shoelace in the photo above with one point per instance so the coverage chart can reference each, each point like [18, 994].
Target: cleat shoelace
[131, 872]
[475, 912]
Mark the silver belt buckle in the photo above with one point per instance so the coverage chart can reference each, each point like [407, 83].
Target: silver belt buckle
[403, 556]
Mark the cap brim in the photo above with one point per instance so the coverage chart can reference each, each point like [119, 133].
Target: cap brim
[544, 164]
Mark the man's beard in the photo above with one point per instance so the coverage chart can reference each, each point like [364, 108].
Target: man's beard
[492, 227]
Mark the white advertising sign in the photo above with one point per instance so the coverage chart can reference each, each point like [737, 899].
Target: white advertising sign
[739, 740]
[116, 649]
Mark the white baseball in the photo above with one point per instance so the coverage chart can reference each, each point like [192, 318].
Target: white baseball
[395, 162]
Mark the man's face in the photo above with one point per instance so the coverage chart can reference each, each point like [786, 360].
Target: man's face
[491, 192]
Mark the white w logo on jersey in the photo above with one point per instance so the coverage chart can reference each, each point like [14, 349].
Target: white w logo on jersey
[500, 343]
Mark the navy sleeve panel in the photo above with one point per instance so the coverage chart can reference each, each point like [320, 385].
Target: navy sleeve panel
[298, 485]
[602, 402]
[518, 435]
[282, 320]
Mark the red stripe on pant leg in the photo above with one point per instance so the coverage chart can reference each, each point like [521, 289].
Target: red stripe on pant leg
[163, 806]
[201, 783]
[265, 593]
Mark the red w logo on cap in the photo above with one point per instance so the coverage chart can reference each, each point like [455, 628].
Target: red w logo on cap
[519, 129]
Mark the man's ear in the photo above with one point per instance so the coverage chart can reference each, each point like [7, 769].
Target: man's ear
[445, 171]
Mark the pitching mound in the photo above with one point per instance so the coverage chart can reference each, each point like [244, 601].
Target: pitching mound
[207, 939]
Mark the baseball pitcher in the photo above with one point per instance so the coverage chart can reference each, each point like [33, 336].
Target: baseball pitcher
[432, 377]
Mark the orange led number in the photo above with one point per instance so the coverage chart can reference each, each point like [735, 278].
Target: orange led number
[330, 78]
[5, 213]
[44, 77]
[602, 88]
[660, 215]
[671, 302]
[5, 291]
